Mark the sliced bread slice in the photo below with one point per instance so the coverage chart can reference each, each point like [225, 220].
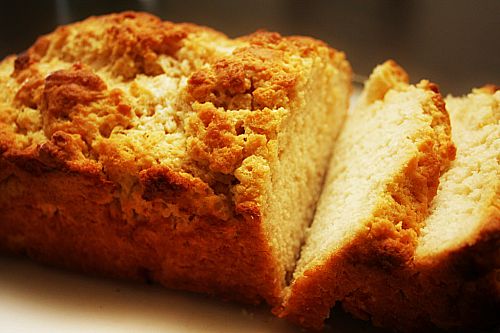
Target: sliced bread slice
[383, 175]
[454, 280]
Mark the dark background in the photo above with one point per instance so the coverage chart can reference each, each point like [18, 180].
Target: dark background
[454, 43]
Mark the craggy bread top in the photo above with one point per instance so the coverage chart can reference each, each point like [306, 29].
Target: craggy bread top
[181, 107]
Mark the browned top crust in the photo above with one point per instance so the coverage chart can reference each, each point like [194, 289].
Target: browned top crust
[260, 74]
[130, 41]
[174, 108]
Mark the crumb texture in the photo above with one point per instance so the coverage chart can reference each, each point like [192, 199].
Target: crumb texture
[468, 197]
[452, 281]
[382, 178]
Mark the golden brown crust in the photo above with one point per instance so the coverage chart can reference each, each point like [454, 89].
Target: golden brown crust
[131, 41]
[256, 76]
[122, 238]
[191, 194]
[447, 150]
[69, 96]
[218, 141]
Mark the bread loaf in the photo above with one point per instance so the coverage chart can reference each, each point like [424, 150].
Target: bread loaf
[144, 149]
[383, 175]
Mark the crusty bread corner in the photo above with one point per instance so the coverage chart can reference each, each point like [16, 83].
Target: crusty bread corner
[380, 230]
[390, 76]
[384, 77]
[139, 148]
